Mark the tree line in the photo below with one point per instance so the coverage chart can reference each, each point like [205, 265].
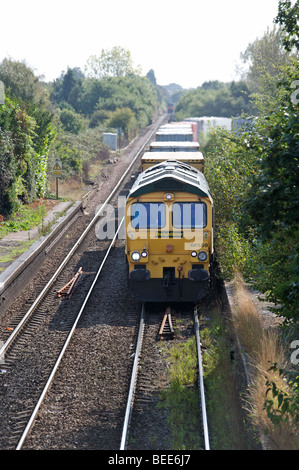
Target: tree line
[64, 119]
[254, 174]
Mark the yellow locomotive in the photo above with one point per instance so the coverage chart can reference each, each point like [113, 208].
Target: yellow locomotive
[169, 234]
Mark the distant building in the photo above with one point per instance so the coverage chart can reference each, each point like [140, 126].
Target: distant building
[110, 139]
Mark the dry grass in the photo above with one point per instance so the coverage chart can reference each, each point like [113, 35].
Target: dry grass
[247, 320]
[71, 189]
[263, 348]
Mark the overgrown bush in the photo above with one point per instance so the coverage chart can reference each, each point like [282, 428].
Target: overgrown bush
[254, 180]
[17, 156]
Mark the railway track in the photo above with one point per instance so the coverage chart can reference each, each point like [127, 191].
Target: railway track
[140, 431]
[65, 345]
[39, 338]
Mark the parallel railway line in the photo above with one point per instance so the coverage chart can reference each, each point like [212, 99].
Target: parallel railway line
[41, 337]
[65, 345]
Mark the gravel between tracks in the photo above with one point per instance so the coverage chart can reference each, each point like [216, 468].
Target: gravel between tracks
[84, 408]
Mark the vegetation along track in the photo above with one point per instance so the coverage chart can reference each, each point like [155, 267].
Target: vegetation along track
[29, 359]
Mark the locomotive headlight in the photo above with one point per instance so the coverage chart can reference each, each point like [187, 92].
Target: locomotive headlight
[193, 254]
[144, 254]
[202, 256]
[135, 256]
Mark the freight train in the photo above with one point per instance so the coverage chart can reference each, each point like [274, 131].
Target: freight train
[169, 226]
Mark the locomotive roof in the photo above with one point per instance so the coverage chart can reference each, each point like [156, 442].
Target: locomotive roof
[171, 176]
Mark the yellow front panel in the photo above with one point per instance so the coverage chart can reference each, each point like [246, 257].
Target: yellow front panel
[169, 246]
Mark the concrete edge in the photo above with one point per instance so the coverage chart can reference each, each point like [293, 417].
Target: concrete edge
[18, 266]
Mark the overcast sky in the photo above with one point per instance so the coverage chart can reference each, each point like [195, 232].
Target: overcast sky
[183, 42]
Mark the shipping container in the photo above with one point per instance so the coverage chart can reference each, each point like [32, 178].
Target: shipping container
[174, 147]
[195, 159]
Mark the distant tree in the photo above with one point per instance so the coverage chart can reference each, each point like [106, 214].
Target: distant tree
[134, 92]
[92, 90]
[67, 84]
[71, 121]
[68, 87]
[212, 85]
[227, 100]
[20, 81]
[122, 118]
[116, 62]
[98, 117]
[151, 76]
[265, 56]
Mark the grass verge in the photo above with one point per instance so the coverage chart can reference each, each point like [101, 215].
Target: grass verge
[264, 348]
[26, 218]
[13, 253]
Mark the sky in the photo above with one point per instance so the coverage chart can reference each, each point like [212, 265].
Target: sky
[186, 43]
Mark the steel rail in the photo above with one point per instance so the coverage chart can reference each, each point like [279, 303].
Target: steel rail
[37, 301]
[54, 370]
[201, 384]
[129, 406]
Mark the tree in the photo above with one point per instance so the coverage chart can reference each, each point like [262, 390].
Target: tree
[116, 62]
[26, 117]
[134, 92]
[68, 88]
[264, 57]
[254, 178]
[71, 121]
[272, 203]
[214, 99]
[122, 118]
[288, 18]
[21, 82]
[151, 76]
[92, 90]
[17, 157]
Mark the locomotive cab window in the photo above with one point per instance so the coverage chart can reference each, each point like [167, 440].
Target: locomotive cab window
[189, 215]
[148, 215]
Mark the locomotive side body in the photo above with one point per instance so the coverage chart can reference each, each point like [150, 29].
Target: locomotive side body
[169, 234]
